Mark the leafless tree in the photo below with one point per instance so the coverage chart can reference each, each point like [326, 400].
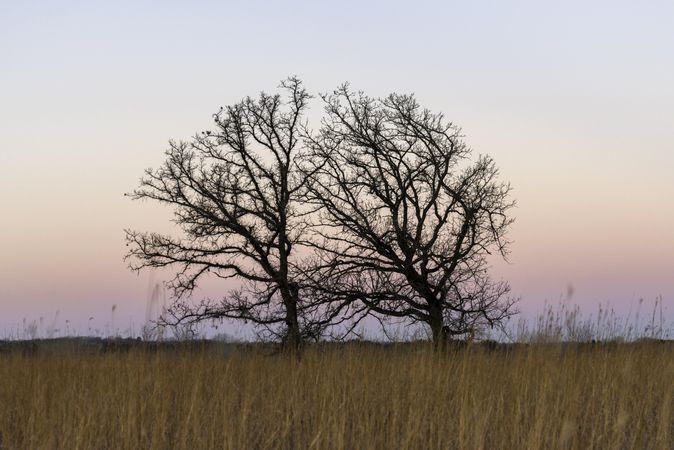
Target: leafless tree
[406, 219]
[234, 191]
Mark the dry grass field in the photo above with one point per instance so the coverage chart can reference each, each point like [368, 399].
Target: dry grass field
[340, 396]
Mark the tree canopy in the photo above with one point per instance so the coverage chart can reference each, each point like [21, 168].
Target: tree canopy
[393, 216]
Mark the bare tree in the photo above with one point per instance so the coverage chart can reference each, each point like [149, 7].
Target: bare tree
[234, 191]
[406, 220]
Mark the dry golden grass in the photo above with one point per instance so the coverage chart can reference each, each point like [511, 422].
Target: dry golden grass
[342, 397]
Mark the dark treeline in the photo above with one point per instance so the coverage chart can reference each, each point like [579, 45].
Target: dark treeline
[100, 346]
[380, 211]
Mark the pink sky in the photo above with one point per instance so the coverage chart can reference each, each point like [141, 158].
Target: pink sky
[574, 102]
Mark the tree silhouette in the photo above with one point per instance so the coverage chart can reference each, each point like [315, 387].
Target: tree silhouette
[234, 191]
[406, 221]
[395, 218]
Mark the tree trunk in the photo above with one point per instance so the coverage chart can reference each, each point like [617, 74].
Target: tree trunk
[293, 339]
[437, 327]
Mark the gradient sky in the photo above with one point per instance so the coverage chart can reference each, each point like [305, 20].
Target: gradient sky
[574, 100]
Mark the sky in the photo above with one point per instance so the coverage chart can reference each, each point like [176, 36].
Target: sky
[574, 100]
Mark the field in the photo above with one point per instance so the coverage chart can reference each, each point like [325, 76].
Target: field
[336, 396]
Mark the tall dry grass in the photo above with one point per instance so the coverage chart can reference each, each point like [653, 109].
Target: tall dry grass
[349, 396]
